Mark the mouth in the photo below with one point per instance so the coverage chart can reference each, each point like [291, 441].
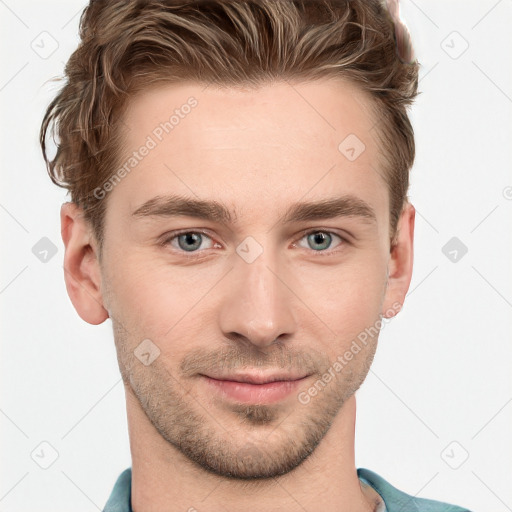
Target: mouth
[255, 387]
[257, 377]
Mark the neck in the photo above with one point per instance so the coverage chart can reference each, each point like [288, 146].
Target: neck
[164, 479]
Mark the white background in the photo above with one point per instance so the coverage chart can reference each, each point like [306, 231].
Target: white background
[440, 388]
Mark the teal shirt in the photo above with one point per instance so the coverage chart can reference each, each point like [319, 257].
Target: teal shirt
[395, 500]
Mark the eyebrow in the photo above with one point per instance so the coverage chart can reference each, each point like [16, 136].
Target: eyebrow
[175, 205]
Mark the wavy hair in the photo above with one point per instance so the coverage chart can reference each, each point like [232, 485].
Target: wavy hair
[127, 46]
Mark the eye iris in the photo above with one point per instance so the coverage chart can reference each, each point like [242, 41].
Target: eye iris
[320, 238]
[194, 237]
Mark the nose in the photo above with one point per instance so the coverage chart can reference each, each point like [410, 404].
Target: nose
[257, 304]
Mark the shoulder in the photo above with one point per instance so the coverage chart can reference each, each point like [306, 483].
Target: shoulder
[398, 501]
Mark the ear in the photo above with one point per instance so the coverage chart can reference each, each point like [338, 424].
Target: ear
[400, 263]
[81, 265]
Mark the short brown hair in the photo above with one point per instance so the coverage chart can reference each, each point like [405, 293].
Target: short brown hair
[128, 45]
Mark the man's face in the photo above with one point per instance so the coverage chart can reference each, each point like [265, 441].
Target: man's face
[255, 294]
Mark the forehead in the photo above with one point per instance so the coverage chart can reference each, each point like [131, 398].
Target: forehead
[252, 147]
[305, 111]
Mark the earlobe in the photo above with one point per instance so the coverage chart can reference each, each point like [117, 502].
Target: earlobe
[400, 263]
[81, 266]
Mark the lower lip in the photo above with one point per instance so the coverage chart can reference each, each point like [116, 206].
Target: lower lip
[255, 393]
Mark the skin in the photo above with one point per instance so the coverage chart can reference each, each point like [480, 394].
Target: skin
[257, 151]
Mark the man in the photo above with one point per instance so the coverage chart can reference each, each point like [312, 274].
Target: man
[239, 174]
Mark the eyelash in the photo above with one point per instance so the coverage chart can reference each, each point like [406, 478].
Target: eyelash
[194, 254]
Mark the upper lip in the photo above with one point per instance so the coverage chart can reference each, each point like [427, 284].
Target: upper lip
[255, 377]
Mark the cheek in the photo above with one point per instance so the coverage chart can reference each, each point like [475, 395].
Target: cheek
[346, 298]
[144, 301]
[159, 301]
